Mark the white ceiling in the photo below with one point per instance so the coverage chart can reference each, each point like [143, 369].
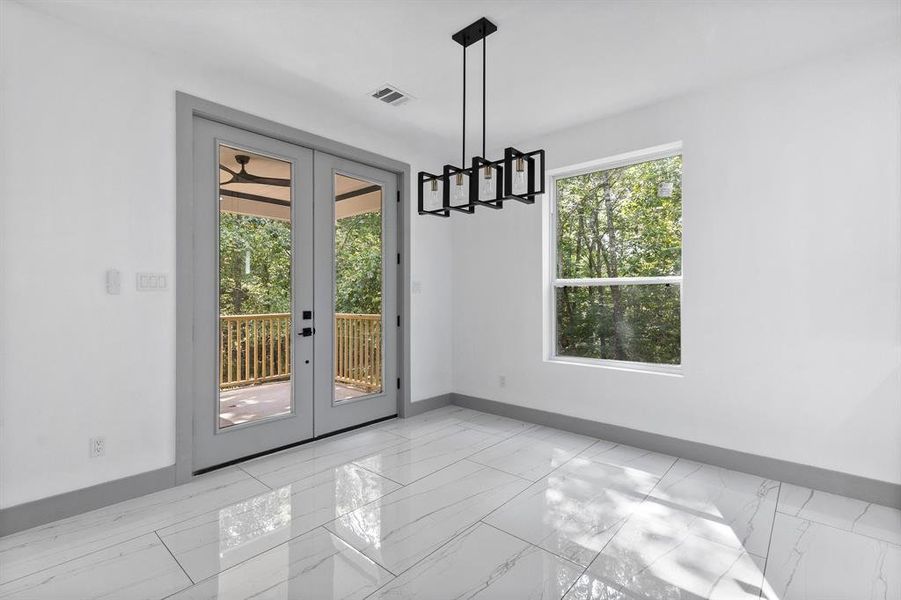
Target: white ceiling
[550, 65]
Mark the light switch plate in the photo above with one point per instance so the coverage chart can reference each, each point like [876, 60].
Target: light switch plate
[113, 282]
[152, 282]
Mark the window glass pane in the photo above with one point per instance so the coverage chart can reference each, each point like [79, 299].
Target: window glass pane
[358, 288]
[621, 222]
[639, 323]
[254, 287]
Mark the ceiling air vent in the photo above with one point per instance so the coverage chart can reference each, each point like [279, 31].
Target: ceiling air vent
[390, 94]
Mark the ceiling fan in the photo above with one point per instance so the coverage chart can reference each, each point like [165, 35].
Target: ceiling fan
[243, 176]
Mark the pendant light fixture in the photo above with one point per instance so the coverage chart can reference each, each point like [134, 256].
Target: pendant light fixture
[517, 176]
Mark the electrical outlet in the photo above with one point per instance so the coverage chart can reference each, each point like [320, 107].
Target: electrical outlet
[502, 380]
[98, 447]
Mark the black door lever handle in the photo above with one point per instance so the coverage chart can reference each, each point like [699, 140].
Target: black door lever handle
[307, 331]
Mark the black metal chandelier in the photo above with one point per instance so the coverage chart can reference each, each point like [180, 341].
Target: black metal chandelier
[517, 176]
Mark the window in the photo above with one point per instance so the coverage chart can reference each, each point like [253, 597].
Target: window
[617, 259]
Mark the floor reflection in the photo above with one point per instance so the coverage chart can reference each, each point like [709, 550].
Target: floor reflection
[312, 502]
[574, 511]
[247, 521]
[578, 511]
[314, 565]
[366, 519]
[694, 536]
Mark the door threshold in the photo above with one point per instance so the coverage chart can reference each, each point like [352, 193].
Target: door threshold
[292, 445]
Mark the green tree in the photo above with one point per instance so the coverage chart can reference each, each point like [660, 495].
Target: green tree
[614, 223]
[255, 264]
[358, 264]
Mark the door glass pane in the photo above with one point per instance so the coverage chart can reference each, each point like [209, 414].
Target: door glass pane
[358, 288]
[638, 323]
[254, 287]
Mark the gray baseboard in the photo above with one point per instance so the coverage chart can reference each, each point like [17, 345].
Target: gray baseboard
[421, 406]
[46, 510]
[836, 482]
[30, 514]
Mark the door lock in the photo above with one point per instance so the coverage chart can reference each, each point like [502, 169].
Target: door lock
[307, 331]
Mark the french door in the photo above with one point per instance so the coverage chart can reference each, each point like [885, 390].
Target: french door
[356, 289]
[293, 292]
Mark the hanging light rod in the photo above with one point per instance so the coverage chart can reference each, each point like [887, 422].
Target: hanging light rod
[517, 176]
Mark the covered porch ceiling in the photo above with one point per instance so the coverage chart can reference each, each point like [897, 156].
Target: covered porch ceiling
[261, 187]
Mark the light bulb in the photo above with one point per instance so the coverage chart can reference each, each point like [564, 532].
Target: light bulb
[486, 191]
[459, 188]
[519, 177]
[434, 196]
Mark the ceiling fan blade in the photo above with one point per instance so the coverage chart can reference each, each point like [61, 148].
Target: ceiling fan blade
[245, 177]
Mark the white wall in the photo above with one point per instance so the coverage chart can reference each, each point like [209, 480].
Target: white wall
[87, 182]
[792, 306]
[792, 265]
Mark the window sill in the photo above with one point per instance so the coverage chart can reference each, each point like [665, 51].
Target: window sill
[619, 365]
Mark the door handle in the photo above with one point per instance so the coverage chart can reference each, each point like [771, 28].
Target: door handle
[307, 331]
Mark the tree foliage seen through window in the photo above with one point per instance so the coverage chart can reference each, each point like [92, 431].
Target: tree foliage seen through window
[255, 264]
[622, 222]
[358, 264]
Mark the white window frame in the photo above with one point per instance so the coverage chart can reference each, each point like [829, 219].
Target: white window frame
[552, 282]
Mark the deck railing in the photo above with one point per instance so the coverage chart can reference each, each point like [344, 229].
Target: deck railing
[256, 349]
[358, 350]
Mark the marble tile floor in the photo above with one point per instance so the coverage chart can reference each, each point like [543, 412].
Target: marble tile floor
[455, 503]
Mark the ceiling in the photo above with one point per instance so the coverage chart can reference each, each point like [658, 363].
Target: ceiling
[550, 65]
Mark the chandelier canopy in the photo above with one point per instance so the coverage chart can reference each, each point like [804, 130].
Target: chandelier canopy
[517, 176]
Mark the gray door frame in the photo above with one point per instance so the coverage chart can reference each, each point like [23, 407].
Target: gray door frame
[186, 108]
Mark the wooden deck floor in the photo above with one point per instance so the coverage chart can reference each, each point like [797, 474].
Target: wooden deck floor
[240, 405]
